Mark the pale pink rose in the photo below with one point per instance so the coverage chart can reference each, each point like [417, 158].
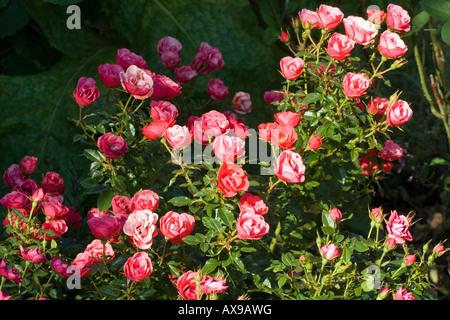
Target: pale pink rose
[217, 89]
[391, 45]
[329, 251]
[329, 17]
[250, 225]
[168, 43]
[398, 228]
[86, 91]
[377, 106]
[138, 267]
[360, 30]
[34, 255]
[210, 285]
[137, 81]
[126, 58]
[398, 18]
[391, 151]
[376, 16]
[184, 74]
[291, 68]
[110, 74]
[141, 228]
[289, 167]
[403, 294]
[228, 149]
[254, 202]
[399, 113]
[355, 85]
[288, 118]
[178, 136]
[242, 102]
[175, 226]
[214, 123]
[144, 200]
[340, 46]
[162, 110]
[309, 19]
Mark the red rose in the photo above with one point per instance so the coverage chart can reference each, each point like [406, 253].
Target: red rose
[53, 182]
[232, 179]
[138, 267]
[283, 136]
[156, 130]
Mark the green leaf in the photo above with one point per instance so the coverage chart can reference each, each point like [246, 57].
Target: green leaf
[420, 20]
[361, 246]
[445, 32]
[210, 265]
[191, 240]
[311, 98]
[104, 200]
[93, 155]
[237, 261]
[327, 220]
[439, 9]
[439, 161]
[180, 201]
[227, 216]
[346, 255]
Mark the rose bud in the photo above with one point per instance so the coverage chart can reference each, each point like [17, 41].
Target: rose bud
[336, 214]
[53, 182]
[309, 19]
[409, 260]
[112, 146]
[170, 59]
[34, 255]
[272, 96]
[86, 92]
[376, 16]
[329, 251]
[110, 74]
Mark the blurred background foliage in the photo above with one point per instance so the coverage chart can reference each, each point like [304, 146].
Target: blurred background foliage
[41, 61]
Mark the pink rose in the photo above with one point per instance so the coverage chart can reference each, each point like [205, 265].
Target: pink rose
[265, 130]
[95, 250]
[156, 130]
[409, 259]
[210, 285]
[195, 128]
[399, 113]
[207, 59]
[391, 45]
[60, 267]
[86, 92]
[125, 58]
[34, 255]
[250, 225]
[336, 214]
[162, 110]
[377, 106]
[253, 202]
[168, 43]
[10, 273]
[329, 17]
[175, 226]
[403, 294]
[137, 81]
[4, 296]
[272, 96]
[288, 118]
[391, 151]
[241, 102]
[232, 179]
[53, 182]
[376, 16]
[329, 251]
[439, 250]
[228, 149]
[110, 74]
[184, 74]
[138, 267]
[398, 228]
[13, 175]
[187, 285]
[170, 59]
[238, 128]
[355, 85]
[397, 18]
[291, 68]
[59, 227]
[214, 123]
[165, 88]
[178, 137]
[82, 261]
[309, 19]
[141, 228]
[339, 46]
[121, 205]
[360, 30]
[315, 142]
[112, 146]
[28, 164]
[14, 199]
[217, 89]
[144, 200]
[54, 209]
[289, 167]
[105, 226]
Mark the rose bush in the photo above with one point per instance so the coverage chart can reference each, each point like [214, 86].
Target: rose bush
[266, 213]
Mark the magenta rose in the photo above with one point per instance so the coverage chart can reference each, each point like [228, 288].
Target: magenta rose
[125, 58]
[165, 88]
[86, 91]
[273, 95]
[34, 255]
[168, 43]
[110, 74]
[28, 164]
[184, 74]
[105, 226]
[13, 175]
[112, 146]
